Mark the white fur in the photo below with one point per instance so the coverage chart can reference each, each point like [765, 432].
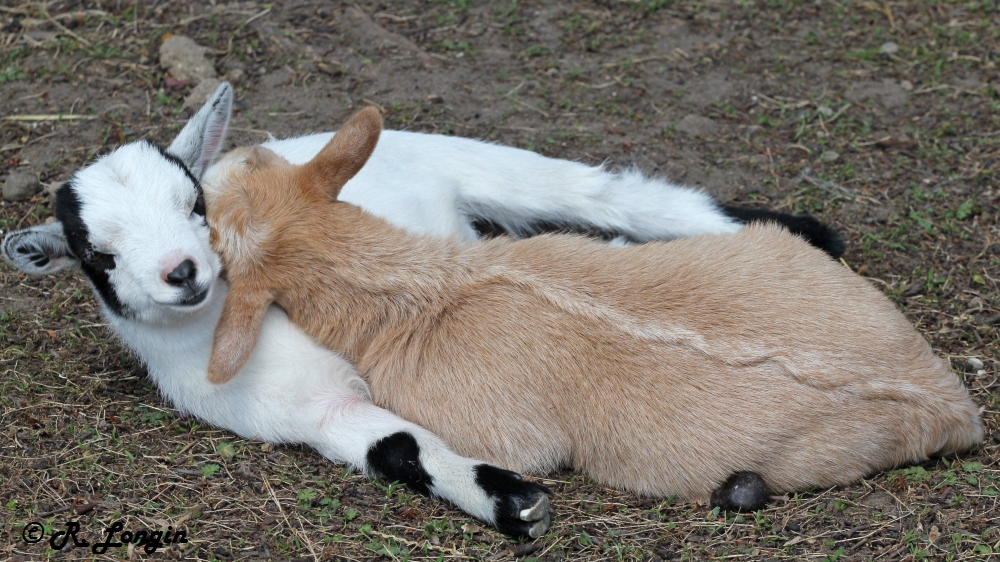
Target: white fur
[433, 183]
[137, 206]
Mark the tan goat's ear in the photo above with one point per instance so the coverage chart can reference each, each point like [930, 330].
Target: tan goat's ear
[237, 331]
[346, 152]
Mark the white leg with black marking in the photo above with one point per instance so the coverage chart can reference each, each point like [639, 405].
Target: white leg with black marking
[625, 204]
[435, 184]
[382, 444]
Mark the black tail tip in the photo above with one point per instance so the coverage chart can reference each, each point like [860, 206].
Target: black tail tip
[744, 491]
[813, 231]
[819, 235]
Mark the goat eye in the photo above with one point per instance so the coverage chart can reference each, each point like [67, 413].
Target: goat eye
[199, 206]
[100, 260]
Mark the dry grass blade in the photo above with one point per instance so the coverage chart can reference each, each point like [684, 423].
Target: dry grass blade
[50, 117]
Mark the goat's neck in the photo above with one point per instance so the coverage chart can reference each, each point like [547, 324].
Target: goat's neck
[176, 349]
[362, 278]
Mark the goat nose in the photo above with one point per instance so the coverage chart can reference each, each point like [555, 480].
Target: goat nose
[182, 274]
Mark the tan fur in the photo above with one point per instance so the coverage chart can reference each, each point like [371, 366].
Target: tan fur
[661, 368]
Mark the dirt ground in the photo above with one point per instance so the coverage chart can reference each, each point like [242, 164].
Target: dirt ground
[881, 118]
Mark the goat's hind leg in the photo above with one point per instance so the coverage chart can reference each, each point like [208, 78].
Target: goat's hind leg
[379, 443]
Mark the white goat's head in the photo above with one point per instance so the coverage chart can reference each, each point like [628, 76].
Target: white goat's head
[134, 222]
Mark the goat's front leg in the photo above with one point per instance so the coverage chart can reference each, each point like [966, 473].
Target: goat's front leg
[379, 443]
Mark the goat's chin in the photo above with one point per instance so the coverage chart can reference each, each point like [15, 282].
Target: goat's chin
[190, 302]
[184, 305]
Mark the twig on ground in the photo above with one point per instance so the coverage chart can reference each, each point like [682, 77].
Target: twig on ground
[50, 117]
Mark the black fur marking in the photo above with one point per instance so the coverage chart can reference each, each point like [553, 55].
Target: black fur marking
[397, 458]
[94, 264]
[513, 494]
[815, 232]
[487, 228]
[744, 491]
[177, 162]
[199, 203]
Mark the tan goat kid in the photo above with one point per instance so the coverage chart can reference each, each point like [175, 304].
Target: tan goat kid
[664, 368]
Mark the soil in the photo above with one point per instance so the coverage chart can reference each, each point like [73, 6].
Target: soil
[792, 105]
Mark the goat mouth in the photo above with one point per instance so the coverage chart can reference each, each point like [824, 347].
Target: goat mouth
[193, 299]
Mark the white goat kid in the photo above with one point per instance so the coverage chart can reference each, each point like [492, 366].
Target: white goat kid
[134, 222]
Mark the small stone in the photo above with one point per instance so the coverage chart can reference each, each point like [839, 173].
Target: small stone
[968, 83]
[901, 142]
[200, 94]
[975, 363]
[889, 48]
[171, 83]
[233, 64]
[235, 75]
[906, 85]
[434, 98]
[42, 36]
[830, 156]
[914, 290]
[824, 111]
[267, 448]
[333, 69]
[698, 126]
[21, 185]
[186, 60]
[888, 93]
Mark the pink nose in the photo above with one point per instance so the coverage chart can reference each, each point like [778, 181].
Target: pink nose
[183, 274]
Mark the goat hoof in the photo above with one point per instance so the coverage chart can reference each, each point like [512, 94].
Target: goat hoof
[520, 508]
[744, 491]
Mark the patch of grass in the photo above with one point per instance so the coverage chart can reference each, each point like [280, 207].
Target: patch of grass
[536, 51]
[11, 73]
[870, 55]
[652, 6]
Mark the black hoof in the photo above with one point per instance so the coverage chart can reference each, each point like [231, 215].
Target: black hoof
[744, 491]
[521, 508]
[815, 232]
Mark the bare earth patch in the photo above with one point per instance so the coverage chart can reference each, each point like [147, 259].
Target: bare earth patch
[790, 104]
